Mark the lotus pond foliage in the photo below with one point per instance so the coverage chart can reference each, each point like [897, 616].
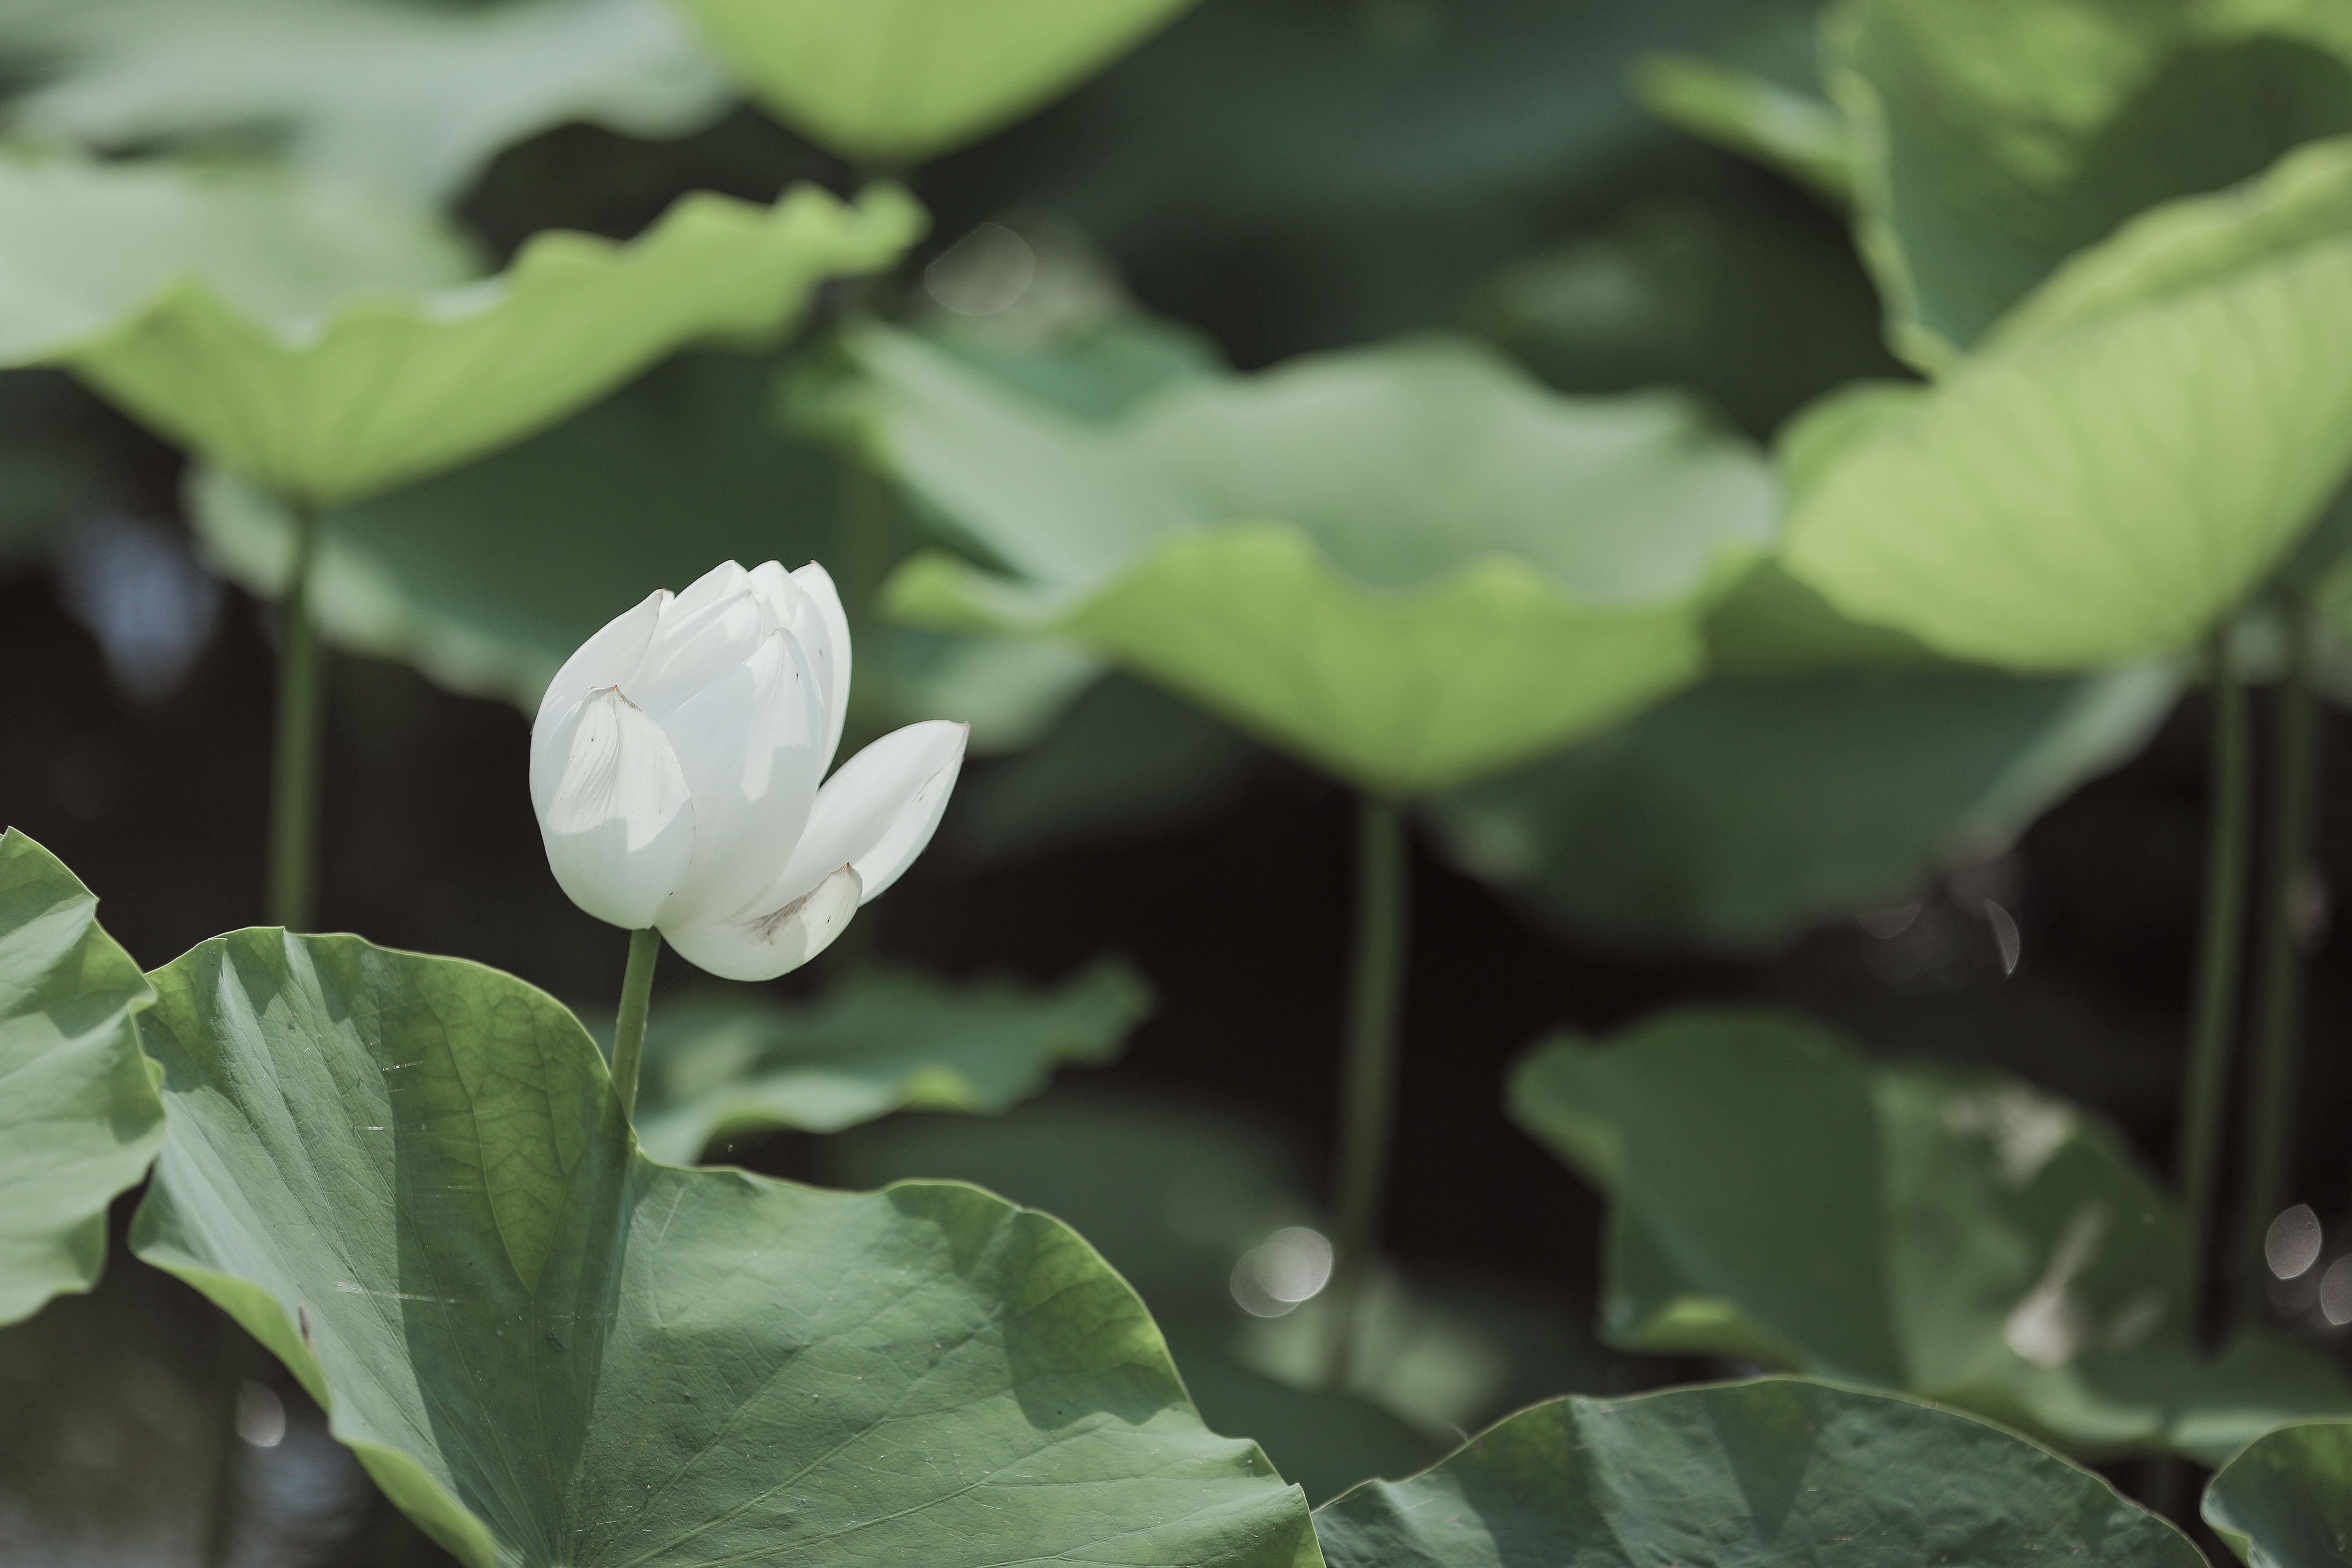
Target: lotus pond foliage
[1601, 737]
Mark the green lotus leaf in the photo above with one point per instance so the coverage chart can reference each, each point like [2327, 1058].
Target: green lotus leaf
[1993, 141]
[81, 1122]
[894, 81]
[2286, 1500]
[1956, 1236]
[1410, 564]
[883, 1040]
[320, 361]
[487, 577]
[1182, 1200]
[2077, 496]
[394, 96]
[410, 1178]
[1774, 1470]
[1738, 812]
[1775, 123]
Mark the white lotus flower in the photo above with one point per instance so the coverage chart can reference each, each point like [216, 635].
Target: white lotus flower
[675, 767]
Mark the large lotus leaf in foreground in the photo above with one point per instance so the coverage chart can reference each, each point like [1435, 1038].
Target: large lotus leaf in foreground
[411, 1179]
[400, 97]
[2286, 1500]
[1956, 1236]
[79, 1121]
[890, 82]
[1411, 564]
[258, 323]
[882, 1040]
[1993, 140]
[1775, 1471]
[1738, 812]
[2139, 445]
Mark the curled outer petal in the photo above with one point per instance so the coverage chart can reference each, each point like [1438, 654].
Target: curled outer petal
[779, 941]
[616, 818]
[607, 658]
[878, 811]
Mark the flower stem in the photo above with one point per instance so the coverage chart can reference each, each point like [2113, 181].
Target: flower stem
[1368, 1115]
[2278, 1041]
[629, 1029]
[301, 702]
[2205, 1084]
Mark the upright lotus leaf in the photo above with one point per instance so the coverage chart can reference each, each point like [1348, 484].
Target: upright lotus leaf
[1738, 812]
[410, 1178]
[399, 97]
[883, 1040]
[1774, 1470]
[328, 409]
[1409, 564]
[2286, 1500]
[1992, 141]
[79, 1121]
[893, 82]
[2125, 463]
[1757, 93]
[1955, 1236]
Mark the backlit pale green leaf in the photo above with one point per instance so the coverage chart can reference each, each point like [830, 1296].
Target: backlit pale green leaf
[1777, 123]
[79, 1121]
[2130, 461]
[1776, 1471]
[326, 349]
[401, 97]
[1738, 812]
[1956, 1236]
[882, 1040]
[891, 81]
[2286, 1500]
[1994, 139]
[409, 1177]
[1410, 564]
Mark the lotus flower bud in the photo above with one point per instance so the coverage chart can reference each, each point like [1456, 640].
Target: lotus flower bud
[676, 762]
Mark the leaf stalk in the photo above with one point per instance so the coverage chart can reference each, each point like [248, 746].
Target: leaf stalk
[1368, 1091]
[301, 722]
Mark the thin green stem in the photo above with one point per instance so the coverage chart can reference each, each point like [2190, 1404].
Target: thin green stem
[301, 705]
[1368, 1091]
[2205, 1084]
[637, 1002]
[2278, 1039]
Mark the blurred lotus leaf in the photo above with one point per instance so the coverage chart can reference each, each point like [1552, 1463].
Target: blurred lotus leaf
[1992, 141]
[1738, 812]
[938, 1376]
[1757, 90]
[1680, 1477]
[2286, 1500]
[1960, 1236]
[488, 576]
[80, 1120]
[1409, 564]
[398, 97]
[1759, 304]
[1126, 758]
[717, 1068]
[2069, 498]
[893, 82]
[327, 350]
